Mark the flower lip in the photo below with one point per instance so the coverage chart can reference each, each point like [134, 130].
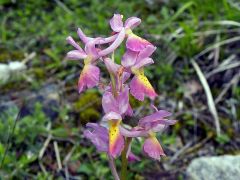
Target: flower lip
[112, 116]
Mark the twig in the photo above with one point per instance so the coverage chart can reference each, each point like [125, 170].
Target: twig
[57, 155]
[222, 68]
[178, 153]
[221, 43]
[234, 80]
[207, 90]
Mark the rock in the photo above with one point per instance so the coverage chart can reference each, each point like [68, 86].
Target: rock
[225, 167]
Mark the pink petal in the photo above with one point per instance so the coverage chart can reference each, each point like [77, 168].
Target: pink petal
[132, 157]
[112, 116]
[132, 22]
[152, 148]
[146, 52]
[90, 48]
[98, 135]
[129, 111]
[114, 45]
[76, 55]
[159, 115]
[140, 86]
[71, 41]
[116, 22]
[89, 77]
[129, 58]
[143, 62]
[136, 43]
[123, 100]
[109, 103]
[83, 37]
[111, 66]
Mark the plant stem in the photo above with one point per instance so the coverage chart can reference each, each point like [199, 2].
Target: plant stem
[124, 159]
[113, 168]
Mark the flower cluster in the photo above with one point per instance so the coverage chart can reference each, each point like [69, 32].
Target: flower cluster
[111, 137]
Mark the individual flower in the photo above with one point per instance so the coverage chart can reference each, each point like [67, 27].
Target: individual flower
[89, 76]
[134, 42]
[135, 62]
[148, 127]
[115, 108]
[98, 135]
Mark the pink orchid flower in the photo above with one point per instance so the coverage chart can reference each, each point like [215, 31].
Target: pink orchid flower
[98, 135]
[148, 127]
[115, 108]
[134, 42]
[135, 62]
[89, 76]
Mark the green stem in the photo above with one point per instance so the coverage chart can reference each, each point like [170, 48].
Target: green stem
[124, 159]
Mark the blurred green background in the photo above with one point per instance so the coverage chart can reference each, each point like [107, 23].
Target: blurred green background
[195, 39]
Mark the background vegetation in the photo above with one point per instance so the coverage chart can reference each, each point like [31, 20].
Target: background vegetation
[42, 116]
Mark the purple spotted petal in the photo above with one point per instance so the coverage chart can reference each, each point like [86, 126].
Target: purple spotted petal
[98, 135]
[116, 22]
[76, 55]
[129, 58]
[132, 22]
[89, 77]
[152, 148]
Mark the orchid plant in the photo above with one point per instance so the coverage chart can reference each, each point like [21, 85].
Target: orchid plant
[111, 135]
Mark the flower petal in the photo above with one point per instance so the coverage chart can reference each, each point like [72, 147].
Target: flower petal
[136, 43]
[159, 115]
[90, 48]
[114, 45]
[98, 135]
[129, 58]
[146, 52]
[140, 86]
[109, 103]
[116, 140]
[71, 41]
[112, 116]
[143, 62]
[76, 55]
[83, 37]
[116, 22]
[132, 22]
[111, 66]
[123, 100]
[152, 148]
[89, 77]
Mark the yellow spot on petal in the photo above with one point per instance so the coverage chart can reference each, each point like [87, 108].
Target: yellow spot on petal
[113, 132]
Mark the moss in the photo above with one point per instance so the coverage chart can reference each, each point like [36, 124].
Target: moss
[39, 73]
[88, 107]
[7, 55]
